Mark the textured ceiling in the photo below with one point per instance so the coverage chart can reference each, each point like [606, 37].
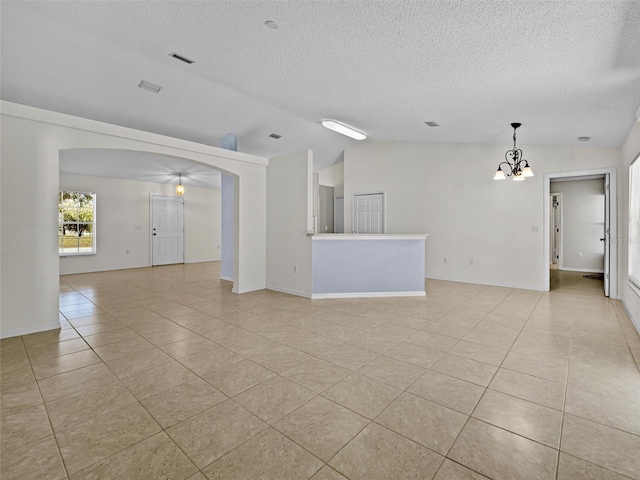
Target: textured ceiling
[563, 69]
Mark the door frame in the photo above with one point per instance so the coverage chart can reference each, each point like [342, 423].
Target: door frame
[184, 228]
[559, 262]
[611, 174]
[384, 208]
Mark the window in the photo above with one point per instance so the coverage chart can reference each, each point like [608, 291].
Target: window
[76, 223]
[634, 222]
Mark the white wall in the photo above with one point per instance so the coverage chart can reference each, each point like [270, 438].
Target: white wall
[448, 191]
[31, 142]
[582, 208]
[121, 205]
[333, 177]
[630, 298]
[289, 218]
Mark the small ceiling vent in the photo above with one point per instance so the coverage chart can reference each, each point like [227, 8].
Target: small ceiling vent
[276, 136]
[149, 87]
[584, 139]
[177, 56]
[431, 123]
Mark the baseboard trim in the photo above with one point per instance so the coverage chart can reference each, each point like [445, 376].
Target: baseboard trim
[635, 322]
[321, 296]
[537, 288]
[226, 279]
[580, 270]
[203, 261]
[290, 292]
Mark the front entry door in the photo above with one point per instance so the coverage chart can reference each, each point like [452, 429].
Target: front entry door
[167, 230]
[368, 213]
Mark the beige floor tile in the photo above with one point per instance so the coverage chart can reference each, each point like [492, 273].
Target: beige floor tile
[374, 342]
[481, 353]
[38, 460]
[210, 360]
[434, 341]
[184, 401]
[76, 381]
[550, 368]
[103, 436]
[91, 320]
[267, 456]
[157, 379]
[392, 372]
[138, 362]
[216, 431]
[495, 339]
[327, 473]
[604, 446]
[154, 458]
[56, 349]
[171, 335]
[274, 398]
[454, 471]
[447, 391]
[378, 453]
[22, 395]
[197, 476]
[31, 342]
[108, 325]
[348, 356]
[21, 426]
[534, 389]
[443, 327]
[520, 458]
[572, 468]
[465, 369]
[238, 377]
[120, 349]
[321, 426]
[598, 398]
[424, 422]
[17, 374]
[363, 395]
[111, 337]
[528, 419]
[187, 347]
[280, 359]
[78, 408]
[252, 344]
[43, 368]
[414, 354]
[317, 375]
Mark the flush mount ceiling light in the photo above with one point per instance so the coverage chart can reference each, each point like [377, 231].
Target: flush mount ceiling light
[180, 187]
[516, 166]
[149, 87]
[271, 24]
[343, 129]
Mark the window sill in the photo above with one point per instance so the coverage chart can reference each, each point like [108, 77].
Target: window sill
[80, 254]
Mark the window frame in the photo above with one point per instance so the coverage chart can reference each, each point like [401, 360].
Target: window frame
[93, 224]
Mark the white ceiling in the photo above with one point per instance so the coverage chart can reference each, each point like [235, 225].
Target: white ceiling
[139, 166]
[563, 69]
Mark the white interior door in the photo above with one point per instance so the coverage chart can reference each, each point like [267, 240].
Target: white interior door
[606, 236]
[167, 230]
[368, 213]
[556, 232]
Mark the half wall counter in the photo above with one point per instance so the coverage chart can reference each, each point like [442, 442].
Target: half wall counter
[358, 265]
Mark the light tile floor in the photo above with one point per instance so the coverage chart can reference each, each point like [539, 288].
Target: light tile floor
[164, 373]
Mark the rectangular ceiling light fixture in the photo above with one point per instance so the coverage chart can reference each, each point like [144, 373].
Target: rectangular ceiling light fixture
[149, 87]
[177, 56]
[276, 136]
[343, 129]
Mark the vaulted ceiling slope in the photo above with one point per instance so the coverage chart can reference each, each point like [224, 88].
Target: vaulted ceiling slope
[563, 69]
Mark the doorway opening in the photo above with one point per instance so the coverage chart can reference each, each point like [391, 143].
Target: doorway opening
[580, 229]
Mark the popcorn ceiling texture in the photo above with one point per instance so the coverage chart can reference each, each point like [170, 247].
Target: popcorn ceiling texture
[562, 69]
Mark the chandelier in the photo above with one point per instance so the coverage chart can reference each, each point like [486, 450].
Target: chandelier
[516, 166]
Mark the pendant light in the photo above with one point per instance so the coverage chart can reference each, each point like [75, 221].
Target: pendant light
[180, 187]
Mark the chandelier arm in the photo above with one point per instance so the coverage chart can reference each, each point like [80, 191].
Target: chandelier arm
[510, 168]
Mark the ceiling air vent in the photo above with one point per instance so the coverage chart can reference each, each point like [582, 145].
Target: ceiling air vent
[431, 123]
[177, 56]
[149, 87]
[275, 135]
[584, 139]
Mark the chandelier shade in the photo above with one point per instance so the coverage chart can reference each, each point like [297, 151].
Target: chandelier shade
[514, 164]
[180, 187]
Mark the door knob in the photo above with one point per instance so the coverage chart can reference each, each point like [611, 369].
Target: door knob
[603, 239]
[154, 234]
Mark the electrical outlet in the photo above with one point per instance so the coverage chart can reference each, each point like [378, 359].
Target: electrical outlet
[137, 227]
[218, 247]
[579, 254]
[471, 261]
[535, 228]
[446, 260]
